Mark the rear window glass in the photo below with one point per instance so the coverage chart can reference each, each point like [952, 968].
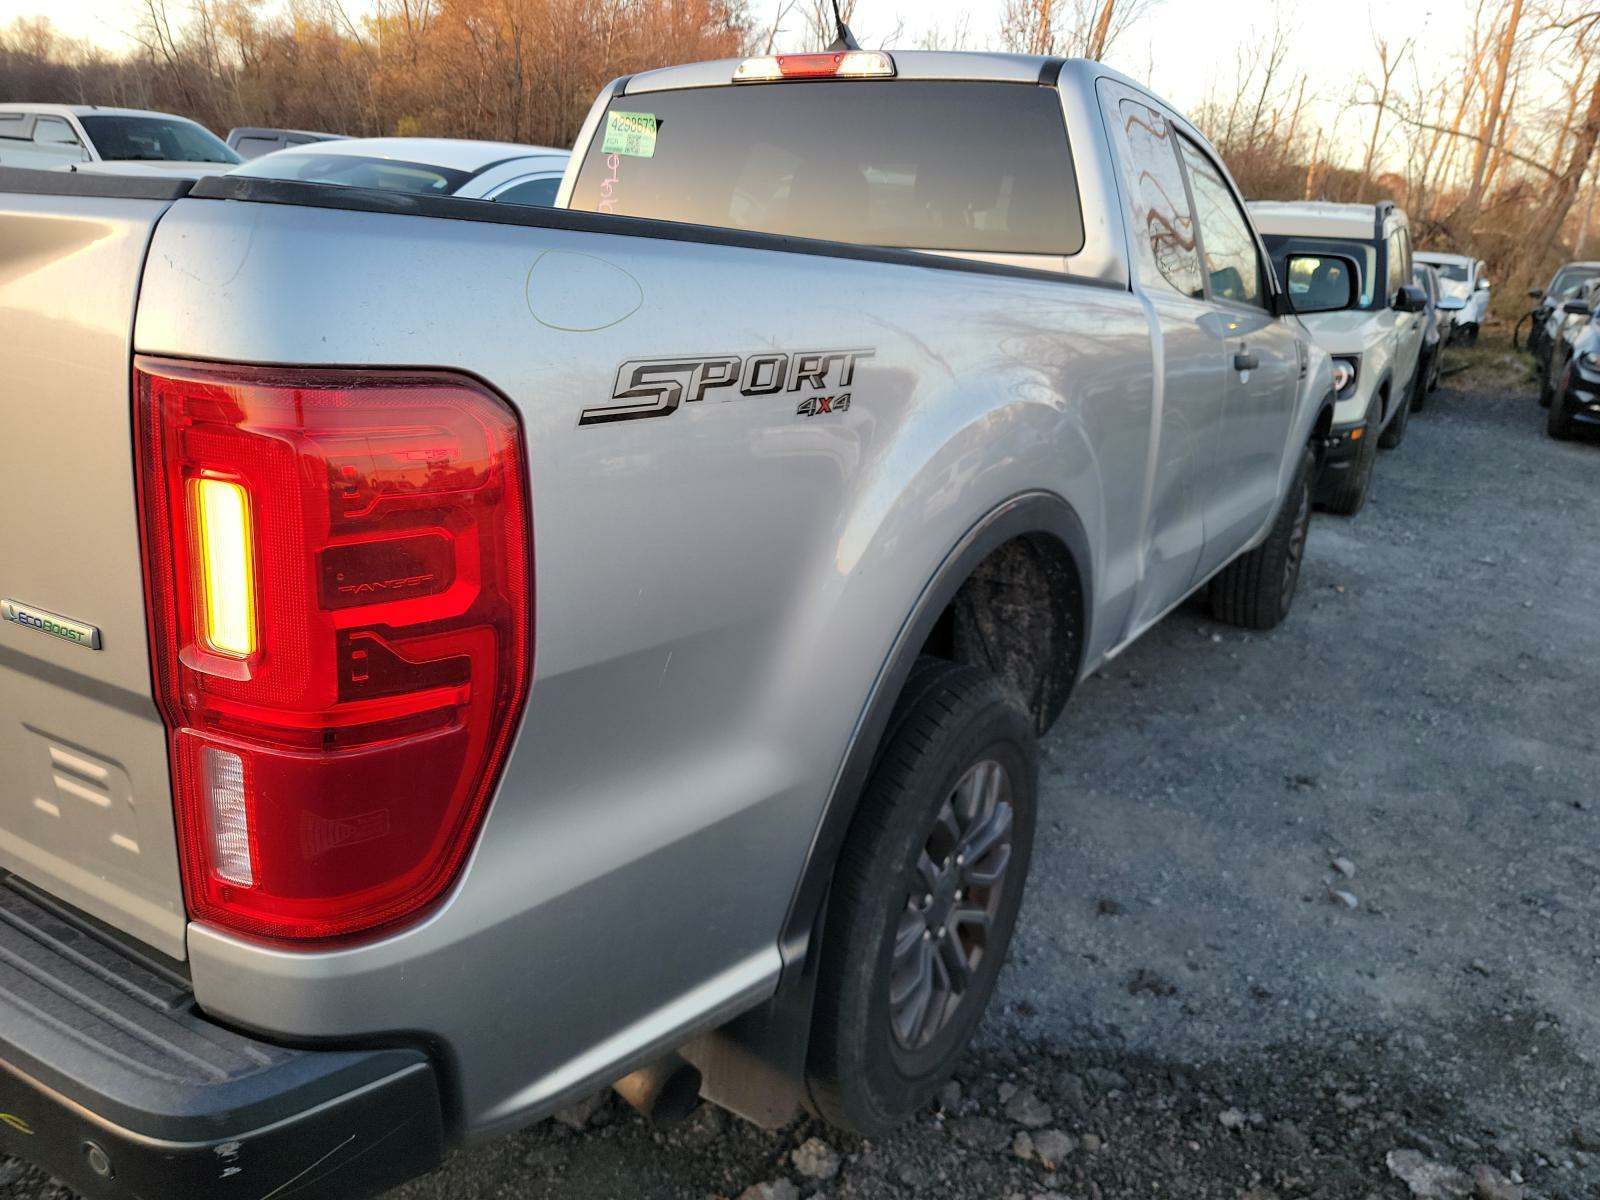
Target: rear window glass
[155, 139]
[981, 167]
[351, 170]
[1569, 281]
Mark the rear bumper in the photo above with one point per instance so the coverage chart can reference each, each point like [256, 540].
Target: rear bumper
[114, 1083]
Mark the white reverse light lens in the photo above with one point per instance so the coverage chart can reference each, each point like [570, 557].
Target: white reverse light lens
[866, 64]
[227, 569]
[754, 70]
[230, 823]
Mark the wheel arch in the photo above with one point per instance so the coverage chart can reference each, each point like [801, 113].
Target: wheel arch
[1042, 521]
[756, 1065]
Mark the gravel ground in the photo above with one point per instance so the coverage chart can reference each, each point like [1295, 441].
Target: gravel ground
[1312, 914]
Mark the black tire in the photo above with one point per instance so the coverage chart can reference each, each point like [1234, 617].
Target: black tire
[1433, 368]
[1419, 380]
[1469, 335]
[1255, 590]
[872, 1061]
[1557, 420]
[1546, 387]
[1350, 497]
[1395, 431]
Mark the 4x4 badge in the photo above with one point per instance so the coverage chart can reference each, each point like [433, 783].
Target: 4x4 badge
[54, 624]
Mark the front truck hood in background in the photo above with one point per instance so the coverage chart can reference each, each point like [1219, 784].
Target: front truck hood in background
[1349, 332]
[85, 797]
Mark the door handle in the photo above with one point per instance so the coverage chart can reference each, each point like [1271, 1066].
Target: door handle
[1245, 361]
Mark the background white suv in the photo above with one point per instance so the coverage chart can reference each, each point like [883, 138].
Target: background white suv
[1375, 346]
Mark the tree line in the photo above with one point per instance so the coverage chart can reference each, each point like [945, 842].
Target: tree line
[1490, 147]
[505, 70]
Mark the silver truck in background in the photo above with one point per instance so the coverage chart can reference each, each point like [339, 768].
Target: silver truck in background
[459, 655]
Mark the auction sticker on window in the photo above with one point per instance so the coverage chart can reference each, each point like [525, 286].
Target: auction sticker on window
[633, 134]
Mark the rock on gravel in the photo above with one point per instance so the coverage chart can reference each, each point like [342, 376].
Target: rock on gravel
[1489, 1184]
[950, 1096]
[1107, 1081]
[980, 1133]
[815, 1159]
[1587, 1137]
[577, 1116]
[1027, 1110]
[1052, 1146]
[777, 1189]
[1427, 1179]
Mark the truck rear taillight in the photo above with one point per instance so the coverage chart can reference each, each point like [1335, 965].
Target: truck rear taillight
[830, 64]
[338, 581]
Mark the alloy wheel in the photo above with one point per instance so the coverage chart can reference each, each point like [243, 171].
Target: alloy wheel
[943, 930]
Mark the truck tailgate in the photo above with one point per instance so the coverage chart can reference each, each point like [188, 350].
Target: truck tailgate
[85, 807]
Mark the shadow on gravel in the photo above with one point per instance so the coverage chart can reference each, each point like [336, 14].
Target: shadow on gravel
[1294, 1120]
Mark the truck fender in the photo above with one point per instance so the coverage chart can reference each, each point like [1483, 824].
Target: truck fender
[756, 1064]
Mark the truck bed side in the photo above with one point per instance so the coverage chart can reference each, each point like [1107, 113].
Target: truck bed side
[717, 586]
[85, 799]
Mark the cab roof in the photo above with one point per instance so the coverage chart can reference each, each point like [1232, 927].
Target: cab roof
[1446, 256]
[87, 110]
[1322, 218]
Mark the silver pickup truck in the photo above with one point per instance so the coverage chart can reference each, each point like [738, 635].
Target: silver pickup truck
[458, 656]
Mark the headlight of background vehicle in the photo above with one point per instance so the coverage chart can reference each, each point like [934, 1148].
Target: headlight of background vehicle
[1589, 360]
[1344, 378]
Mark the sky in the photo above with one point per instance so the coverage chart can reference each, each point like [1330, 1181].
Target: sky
[1182, 50]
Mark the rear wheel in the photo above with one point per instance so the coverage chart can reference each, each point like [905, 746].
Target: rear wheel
[924, 898]
[1256, 589]
[1557, 420]
[1419, 381]
[1351, 495]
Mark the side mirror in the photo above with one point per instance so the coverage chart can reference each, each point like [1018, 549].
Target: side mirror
[1410, 299]
[1535, 294]
[1315, 283]
[1575, 308]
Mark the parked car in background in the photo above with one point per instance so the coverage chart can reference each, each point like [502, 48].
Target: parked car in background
[252, 141]
[1546, 317]
[1570, 385]
[1376, 347]
[1435, 330]
[508, 172]
[1464, 286]
[119, 140]
[506, 647]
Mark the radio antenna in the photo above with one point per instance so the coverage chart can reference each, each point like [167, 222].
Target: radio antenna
[845, 40]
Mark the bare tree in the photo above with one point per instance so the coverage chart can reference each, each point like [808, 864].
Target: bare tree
[1078, 28]
[1388, 64]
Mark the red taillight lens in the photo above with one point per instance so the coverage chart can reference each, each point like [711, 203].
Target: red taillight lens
[809, 66]
[337, 575]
